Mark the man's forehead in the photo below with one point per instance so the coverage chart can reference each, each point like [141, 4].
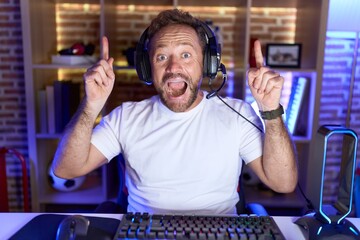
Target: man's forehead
[175, 34]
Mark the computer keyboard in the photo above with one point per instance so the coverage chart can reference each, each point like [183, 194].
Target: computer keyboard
[148, 226]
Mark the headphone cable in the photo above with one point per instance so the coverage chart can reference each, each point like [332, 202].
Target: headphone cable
[222, 100]
[309, 205]
[213, 93]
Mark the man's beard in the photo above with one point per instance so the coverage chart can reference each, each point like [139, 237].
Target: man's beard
[178, 106]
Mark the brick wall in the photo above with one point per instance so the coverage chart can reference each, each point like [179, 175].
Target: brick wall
[13, 131]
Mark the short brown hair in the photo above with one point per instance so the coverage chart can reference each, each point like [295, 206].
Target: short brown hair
[176, 16]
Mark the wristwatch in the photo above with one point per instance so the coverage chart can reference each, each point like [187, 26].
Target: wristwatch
[269, 115]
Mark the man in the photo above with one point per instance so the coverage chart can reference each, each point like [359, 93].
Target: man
[183, 152]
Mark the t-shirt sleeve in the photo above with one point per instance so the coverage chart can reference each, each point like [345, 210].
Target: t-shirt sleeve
[252, 143]
[105, 136]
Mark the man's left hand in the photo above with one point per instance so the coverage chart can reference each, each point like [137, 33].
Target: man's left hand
[265, 84]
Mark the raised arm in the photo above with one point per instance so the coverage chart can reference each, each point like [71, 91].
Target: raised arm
[277, 168]
[75, 155]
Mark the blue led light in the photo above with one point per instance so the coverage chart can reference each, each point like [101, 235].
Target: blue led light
[342, 131]
[354, 231]
[319, 230]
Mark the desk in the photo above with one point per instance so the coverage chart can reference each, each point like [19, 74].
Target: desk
[12, 222]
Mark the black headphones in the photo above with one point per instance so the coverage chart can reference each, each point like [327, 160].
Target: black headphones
[212, 56]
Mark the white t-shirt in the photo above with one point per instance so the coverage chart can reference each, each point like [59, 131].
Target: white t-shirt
[186, 162]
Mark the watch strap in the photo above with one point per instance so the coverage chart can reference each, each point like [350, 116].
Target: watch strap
[269, 115]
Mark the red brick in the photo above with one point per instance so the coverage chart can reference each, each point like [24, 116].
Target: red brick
[4, 115]
[9, 25]
[10, 41]
[71, 25]
[4, 18]
[12, 75]
[288, 21]
[4, 67]
[283, 39]
[282, 13]
[4, 51]
[263, 21]
[7, 130]
[17, 138]
[130, 18]
[9, 9]
[273, 29]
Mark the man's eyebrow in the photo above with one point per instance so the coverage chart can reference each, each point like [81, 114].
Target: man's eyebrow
[162, 45]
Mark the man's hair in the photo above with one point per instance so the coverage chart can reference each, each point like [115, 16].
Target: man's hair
[176, 16]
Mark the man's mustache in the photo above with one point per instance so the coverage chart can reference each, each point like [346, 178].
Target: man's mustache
[168, 76]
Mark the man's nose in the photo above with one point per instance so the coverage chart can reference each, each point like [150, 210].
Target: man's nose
[173, 65]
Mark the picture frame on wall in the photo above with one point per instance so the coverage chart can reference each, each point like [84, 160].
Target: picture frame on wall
[283, 55]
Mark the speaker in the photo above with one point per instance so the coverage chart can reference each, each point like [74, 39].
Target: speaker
[212, 56]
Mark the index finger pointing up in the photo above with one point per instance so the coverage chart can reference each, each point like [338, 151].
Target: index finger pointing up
[258, 54]
[104, 48]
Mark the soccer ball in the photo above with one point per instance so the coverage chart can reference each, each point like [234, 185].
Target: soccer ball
[64, 185]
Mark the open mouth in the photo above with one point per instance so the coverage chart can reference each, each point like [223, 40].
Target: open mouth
[176, 88]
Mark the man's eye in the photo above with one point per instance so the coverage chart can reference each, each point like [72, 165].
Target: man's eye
[161, 58]
[186, 55]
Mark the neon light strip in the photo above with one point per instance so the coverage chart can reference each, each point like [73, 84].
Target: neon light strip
[323, 170]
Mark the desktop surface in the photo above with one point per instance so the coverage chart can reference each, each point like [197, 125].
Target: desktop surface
[13, 222]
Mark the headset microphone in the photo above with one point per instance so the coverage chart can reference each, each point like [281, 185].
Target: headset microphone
[213, 93]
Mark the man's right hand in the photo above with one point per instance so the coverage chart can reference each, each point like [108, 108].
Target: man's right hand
[99, 80]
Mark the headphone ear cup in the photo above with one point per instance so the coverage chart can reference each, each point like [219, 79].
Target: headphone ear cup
[146, 68]
[143, 68]
[211, 54]
[206, 62]
[211, 61]
[214, 64]
[142, 60]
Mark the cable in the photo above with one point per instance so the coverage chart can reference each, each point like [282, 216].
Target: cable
[213, 93]
[222, 100]
[309, 205]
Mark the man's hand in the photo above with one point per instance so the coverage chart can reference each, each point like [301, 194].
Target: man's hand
[265, 84]
[99, 79]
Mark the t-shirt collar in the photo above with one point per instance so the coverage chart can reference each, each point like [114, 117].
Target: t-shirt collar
[196, 109]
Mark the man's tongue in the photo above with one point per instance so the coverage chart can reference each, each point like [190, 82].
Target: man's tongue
[177, 89]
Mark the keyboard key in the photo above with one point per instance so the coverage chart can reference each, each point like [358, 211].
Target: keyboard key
[220, 236]
[202, 236]
[151, 235]
[211, 236]
[161, 235]
[265, 237]
[193, 235]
